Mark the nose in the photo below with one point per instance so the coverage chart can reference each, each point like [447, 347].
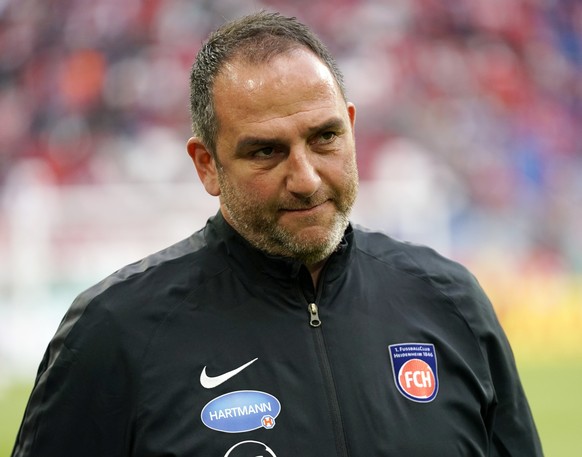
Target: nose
[303, 179]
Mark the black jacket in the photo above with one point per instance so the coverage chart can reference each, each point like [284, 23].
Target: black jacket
[408, 359]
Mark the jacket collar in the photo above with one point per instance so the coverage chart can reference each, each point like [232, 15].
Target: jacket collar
[257, 265]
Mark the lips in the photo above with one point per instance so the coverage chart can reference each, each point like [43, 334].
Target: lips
[306, 207]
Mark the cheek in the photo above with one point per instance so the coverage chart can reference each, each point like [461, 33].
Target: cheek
[256, 188]
[339, 172]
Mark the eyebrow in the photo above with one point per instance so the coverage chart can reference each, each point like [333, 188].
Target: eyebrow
[334, 123]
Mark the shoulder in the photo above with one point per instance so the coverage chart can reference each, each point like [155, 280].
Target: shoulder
[414, 259]
[444, 276]
[149, 276]
[448, 282]
[128, 305]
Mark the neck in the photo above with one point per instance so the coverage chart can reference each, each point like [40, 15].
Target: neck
[315, 271]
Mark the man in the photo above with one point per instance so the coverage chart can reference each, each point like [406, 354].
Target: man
[279, 329]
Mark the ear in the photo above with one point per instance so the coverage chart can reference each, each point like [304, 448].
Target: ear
[205, 165]
[352, 115]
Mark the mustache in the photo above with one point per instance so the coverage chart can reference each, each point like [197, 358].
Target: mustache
[303, 203]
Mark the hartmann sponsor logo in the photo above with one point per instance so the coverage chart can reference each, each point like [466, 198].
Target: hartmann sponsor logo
[241, 411]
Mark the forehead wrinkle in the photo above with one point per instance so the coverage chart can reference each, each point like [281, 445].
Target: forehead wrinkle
[319, 98]
[276, 117]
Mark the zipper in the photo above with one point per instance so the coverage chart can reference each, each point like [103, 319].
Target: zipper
[325, 366]
[314, 319]
[331, 394]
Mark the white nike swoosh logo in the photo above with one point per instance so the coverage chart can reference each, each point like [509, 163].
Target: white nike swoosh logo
[209, 382]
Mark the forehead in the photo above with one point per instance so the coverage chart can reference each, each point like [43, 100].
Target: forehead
[291, 85]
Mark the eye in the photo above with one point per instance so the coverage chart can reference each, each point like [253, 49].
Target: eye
[264, 153]
[326, 137]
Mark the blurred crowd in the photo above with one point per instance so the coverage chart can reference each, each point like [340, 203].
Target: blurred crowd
[486, 93]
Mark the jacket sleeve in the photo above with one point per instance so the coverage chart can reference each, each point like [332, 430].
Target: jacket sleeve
[79, 405]
[513, 430]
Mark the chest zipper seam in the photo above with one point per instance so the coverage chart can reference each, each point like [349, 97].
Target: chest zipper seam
[326, 372]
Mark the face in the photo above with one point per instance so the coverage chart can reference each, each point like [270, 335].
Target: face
[286, 171]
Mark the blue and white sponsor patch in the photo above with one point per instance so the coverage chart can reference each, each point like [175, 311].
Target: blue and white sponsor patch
[414, 366]
[241, 411]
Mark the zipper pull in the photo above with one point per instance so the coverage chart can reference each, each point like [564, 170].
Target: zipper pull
[314, 320]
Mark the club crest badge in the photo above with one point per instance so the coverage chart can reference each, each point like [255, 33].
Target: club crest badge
[414, 366]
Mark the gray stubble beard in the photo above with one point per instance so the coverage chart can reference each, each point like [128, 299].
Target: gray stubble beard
[266, 235]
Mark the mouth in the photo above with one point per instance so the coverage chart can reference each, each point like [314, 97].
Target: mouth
[306, 209]
[303, 208]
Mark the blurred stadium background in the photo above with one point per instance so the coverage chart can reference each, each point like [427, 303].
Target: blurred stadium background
[469, 140]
